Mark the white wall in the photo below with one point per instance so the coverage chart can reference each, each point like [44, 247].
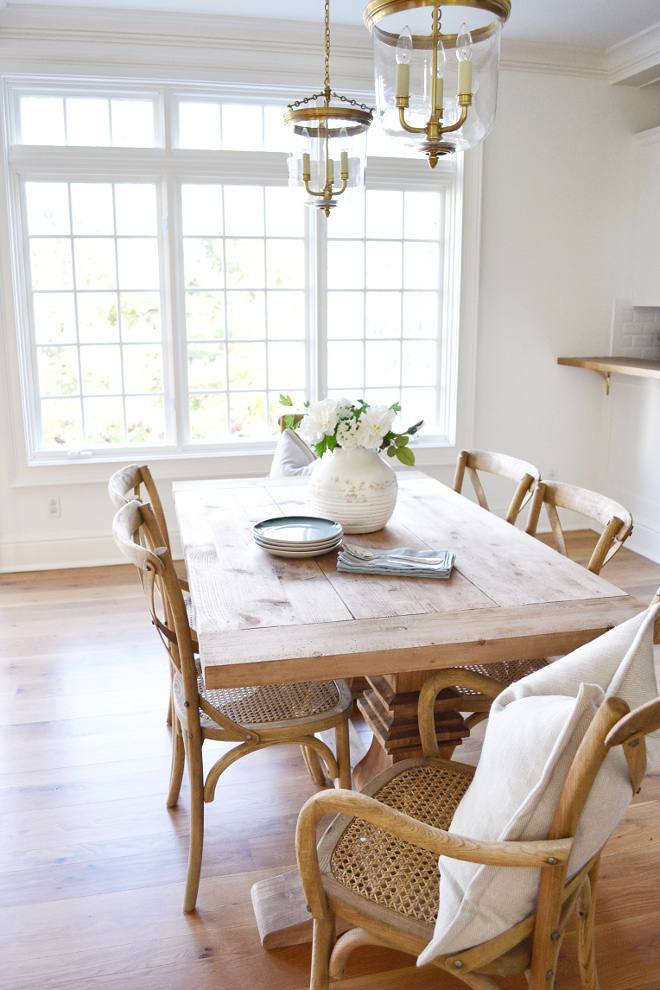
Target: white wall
[555, 250]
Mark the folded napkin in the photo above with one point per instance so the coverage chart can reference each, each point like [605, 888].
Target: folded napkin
[423, 563]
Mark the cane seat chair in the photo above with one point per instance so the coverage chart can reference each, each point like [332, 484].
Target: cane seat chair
[252, 717]
[376, 866]
[525, 475]
[614, 518]
[617, 523]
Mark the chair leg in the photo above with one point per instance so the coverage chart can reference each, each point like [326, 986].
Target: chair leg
[322, 942]
[585, 931]
[313, 764]
[196, 777]
[178, 761]
[343, 755]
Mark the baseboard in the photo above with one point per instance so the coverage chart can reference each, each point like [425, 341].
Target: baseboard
[645, 540]
[49, 555]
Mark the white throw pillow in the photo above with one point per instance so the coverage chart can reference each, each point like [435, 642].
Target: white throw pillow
[534, 730]
[292, 457]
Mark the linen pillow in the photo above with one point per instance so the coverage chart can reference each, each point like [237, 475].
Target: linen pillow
[533, 733]
[292, 457]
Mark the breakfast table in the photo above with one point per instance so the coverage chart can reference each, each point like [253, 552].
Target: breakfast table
[265, 619]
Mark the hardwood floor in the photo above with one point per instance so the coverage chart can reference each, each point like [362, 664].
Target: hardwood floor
[92, 863]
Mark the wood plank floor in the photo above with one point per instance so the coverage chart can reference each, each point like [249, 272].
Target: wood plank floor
[92, 862]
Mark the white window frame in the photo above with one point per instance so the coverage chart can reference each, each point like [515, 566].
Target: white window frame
[175, 166]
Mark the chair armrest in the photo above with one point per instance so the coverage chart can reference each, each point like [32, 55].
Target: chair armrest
[449, 677]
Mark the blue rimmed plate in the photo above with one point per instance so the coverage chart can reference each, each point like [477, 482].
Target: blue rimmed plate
[297, 532]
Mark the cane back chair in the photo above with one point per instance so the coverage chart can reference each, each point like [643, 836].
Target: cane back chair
[617, 523]
[377, 864]
[523, 473]
[615, 519]
[253, 717]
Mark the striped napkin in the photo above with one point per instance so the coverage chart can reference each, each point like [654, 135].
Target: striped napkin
[422, 563]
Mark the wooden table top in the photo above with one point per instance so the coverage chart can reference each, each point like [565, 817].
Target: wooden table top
[263, 619]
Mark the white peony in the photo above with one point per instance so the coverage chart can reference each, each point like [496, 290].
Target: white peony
[374, 424]
[320, 421]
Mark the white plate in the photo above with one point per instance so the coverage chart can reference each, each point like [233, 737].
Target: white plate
[300, 554]
[298, 531]
[299, 547]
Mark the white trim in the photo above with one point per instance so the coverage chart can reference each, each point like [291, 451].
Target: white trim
[563, 60]
[248, 50]
[636, 61]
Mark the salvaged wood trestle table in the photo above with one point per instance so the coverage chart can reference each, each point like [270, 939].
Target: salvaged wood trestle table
[263, 619]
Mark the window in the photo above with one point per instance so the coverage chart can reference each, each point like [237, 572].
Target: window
[169, 284]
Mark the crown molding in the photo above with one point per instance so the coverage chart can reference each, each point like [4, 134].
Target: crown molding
[636, 61]
[114, 42]
[197, 46]
[571, 60]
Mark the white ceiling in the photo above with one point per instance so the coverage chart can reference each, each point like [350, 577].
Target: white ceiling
[597, 23]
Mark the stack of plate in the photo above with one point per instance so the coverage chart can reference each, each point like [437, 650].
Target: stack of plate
[298, 536]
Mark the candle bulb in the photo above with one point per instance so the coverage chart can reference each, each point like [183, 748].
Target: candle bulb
[464, 56]
[439, 78]
[344, 162]
[330, 170]
[404, 47]
[439, 89]
[306, 167]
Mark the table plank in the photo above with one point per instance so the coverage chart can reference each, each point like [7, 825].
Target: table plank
[421, 642]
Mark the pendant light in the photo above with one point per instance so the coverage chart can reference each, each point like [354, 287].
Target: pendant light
[436, 67]
[329, 141]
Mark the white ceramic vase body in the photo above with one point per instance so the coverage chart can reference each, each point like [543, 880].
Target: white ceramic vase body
[354, 487]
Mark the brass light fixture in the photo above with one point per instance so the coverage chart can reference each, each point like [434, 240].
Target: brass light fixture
[329, 142]
[436, 85]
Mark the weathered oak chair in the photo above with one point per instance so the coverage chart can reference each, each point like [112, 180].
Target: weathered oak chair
[615, 518]
[135, 481]
[253, 717]
[377, 864]
[617, 523]
[523, 473]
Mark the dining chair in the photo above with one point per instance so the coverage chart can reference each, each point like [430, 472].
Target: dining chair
[135, 481]
[523, 473]
[252, 717]
[617, 523]
[376, 866]
[614, 518]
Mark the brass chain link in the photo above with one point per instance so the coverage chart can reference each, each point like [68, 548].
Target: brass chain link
[327, 45]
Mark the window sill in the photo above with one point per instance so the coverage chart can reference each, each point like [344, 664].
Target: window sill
[187, 466]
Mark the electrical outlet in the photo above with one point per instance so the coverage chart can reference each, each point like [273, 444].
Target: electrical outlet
[53, 507]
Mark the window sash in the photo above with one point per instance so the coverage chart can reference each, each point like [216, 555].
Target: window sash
[172, 167]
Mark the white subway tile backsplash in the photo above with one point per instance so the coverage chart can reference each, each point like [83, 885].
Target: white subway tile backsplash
[635, 330]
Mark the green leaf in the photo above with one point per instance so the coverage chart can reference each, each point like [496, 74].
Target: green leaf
[289, 421]
[285, 400]
[391, 451]
[396, 407]
[405, 455]
[401, 441]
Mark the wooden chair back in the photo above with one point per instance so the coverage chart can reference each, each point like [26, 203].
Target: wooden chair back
[616, 520]
[138, 536]
[282, 420]
[127, 484]
[525, 475]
